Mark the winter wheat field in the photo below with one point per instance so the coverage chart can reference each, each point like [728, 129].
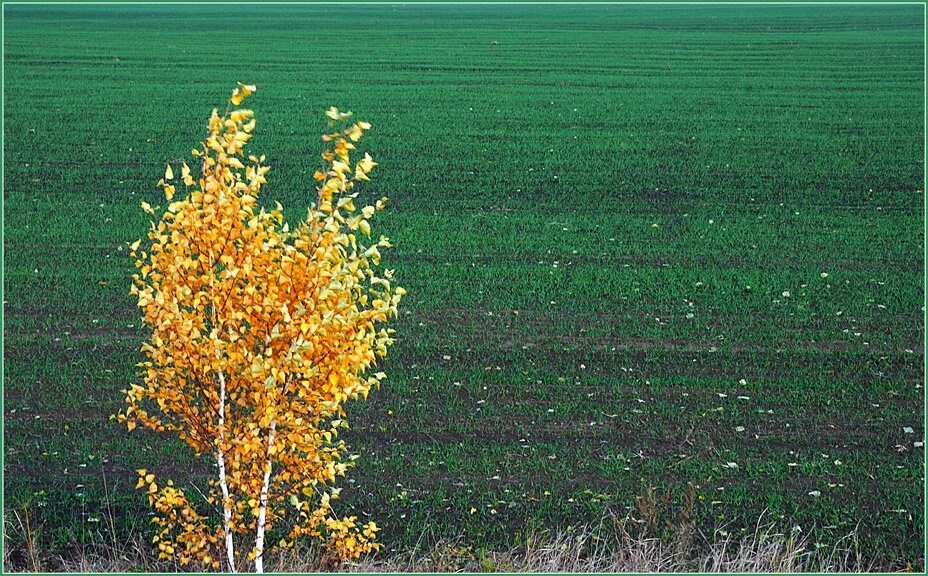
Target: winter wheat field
[663, 263]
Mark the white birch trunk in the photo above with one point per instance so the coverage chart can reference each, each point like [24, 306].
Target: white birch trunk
[262, 510]
[220, 460]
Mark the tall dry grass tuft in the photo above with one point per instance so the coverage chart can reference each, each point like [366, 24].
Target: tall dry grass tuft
[103, 549]
[20, 539]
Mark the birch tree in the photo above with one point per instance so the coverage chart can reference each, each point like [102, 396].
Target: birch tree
[260, 333]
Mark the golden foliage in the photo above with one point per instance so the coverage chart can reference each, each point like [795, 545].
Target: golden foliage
[260, 334]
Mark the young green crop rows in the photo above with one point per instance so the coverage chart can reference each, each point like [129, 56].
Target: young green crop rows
[644, 247]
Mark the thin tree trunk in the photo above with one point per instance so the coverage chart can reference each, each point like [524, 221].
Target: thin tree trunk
[262, 511]
[220, 460]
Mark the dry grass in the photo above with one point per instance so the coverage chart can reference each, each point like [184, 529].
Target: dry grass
[607, 547]
[583, 551]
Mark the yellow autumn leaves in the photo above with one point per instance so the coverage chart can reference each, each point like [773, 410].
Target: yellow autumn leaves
[243, 91]
[260, 334]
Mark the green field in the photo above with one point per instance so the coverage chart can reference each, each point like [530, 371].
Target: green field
[640, 244]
